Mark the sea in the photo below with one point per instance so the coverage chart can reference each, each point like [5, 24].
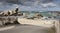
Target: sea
[44, 14]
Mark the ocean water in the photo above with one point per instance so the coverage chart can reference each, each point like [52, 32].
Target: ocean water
[45, 14]
[32, 13]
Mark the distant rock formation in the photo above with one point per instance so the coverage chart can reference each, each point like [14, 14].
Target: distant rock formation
[38, 15]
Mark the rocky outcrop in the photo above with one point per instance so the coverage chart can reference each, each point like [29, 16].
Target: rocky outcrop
[38, 15]
[8, 20]
[11, 13]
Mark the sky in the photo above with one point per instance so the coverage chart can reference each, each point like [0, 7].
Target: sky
[31, 5]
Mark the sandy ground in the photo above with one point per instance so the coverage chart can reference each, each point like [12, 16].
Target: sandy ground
[27, 29]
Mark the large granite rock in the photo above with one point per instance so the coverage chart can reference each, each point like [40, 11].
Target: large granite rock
[8, 20]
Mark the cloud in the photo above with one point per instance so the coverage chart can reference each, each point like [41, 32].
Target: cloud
[49, 5]
[38, 3]
[31, 4]
[10, 1]
[6, 6]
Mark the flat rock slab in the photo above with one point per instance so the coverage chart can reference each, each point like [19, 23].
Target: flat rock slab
[27, 29]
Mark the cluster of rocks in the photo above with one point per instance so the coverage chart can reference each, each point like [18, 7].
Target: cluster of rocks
[11, 13]
[37, 15]
[9, 17]
[8, 20]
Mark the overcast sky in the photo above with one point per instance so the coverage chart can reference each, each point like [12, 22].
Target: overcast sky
[32, 5]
